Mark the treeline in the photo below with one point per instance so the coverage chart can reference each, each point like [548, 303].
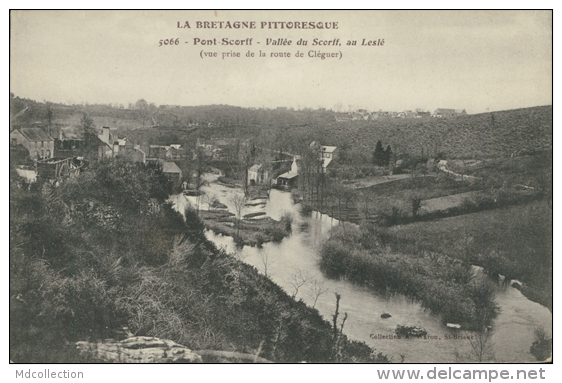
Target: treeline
[103, 255]
[169, 116]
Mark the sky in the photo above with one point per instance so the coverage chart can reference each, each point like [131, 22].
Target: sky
[473, 60]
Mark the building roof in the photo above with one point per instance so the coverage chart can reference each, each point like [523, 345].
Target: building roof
[328, 149]
[97, 142]
[289, 175]
[444, 110]
[170, 167]
[255, 168]
[35, 134]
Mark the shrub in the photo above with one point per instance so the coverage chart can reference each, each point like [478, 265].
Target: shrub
[306, 210]
[437, 282]
[287, 221]
[542, 346]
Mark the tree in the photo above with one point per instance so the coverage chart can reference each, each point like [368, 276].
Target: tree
[379, 157]
[416, 201]
[89, 131]
[266, 262]
[316, 290]
[388, 155]
[299, 278]
[49, 120]
[141, 104]
[238, 203]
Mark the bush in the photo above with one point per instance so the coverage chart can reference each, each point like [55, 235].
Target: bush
[437, 282]
[287, 221]
[306, 210]
[542, 346]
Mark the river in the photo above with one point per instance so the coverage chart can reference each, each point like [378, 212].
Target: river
[295, 260]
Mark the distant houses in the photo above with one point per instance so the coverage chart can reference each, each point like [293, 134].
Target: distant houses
[447, 113]
[363, 114]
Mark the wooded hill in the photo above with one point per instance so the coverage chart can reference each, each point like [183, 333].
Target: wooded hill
[495, 134]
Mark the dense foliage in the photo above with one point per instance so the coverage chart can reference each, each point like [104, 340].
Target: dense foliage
[104, 251]
[440, 283]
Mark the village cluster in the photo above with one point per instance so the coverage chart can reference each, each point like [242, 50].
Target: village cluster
[62, 155]
[364, 114]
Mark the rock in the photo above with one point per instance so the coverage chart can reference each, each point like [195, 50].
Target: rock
[453, 325]
[385, 315]
[140, 349]
[408, 331]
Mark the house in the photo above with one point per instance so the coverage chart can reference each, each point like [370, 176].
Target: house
[38, 143]
[289, 178]
[172, 172]
[423, 115]
[257, 175]
[326, 153]
[71, 144]
[166, 152]
[133, 153]
[343, 117]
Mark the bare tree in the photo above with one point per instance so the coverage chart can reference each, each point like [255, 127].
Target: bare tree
[299, 278]
[266, 261]
[316, 290]
[338, 332]
[209, 199]
[238, 203]
[481, 347]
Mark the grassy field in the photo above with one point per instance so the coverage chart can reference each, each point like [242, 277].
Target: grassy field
[391, 202]
[515, 241]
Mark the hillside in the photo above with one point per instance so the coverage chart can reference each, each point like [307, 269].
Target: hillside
[105, 254]
[495, 134]
[486, 135]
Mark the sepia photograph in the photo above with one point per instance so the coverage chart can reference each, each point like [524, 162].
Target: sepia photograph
[244, 186]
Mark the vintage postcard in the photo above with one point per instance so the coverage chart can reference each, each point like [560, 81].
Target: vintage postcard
[280, 187]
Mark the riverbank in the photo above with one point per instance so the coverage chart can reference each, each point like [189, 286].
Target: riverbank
[514, 241]
[441, 284]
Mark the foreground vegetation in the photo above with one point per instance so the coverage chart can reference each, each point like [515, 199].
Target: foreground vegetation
[103, 255]
[444, 285]
[513, 241]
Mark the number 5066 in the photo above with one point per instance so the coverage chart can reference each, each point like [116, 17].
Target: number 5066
[169, 42]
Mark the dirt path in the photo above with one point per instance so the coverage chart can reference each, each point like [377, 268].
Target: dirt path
[370, 181]
[442, 165]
